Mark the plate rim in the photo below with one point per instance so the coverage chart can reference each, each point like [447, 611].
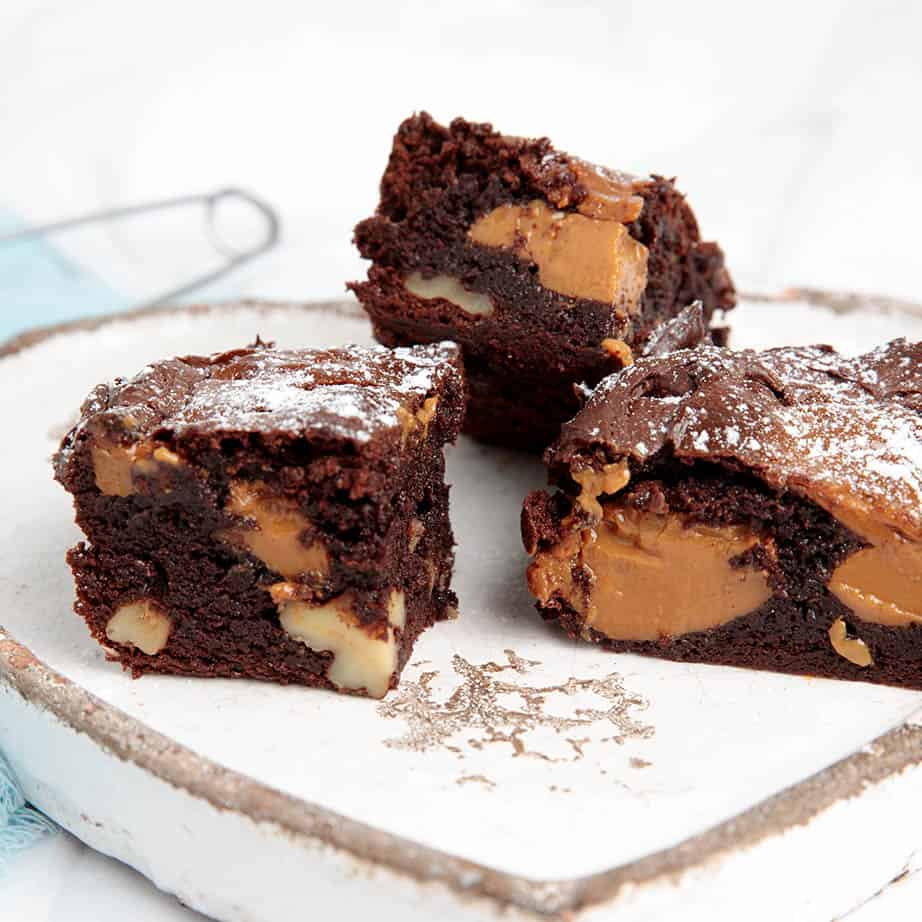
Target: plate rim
[133, 741]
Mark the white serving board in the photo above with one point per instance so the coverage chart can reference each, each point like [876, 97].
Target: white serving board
[516, 768]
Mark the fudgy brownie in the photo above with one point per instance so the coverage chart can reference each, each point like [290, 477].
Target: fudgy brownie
[548, 270]
[269, 514]
[753, 509]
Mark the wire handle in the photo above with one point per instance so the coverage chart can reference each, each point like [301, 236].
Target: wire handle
[234, 258]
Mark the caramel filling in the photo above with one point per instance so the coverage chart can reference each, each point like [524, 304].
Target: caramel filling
[412, 423]
[274, 535]
[610, 479]
[611, 196]
[639, 576]
[620, 350]
[451, 290]
[577, 256]
[143, 625]
[364, 657]
[163, 455]
[882, 583]
[115, 466]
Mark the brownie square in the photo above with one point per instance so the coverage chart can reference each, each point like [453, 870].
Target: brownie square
[269, 514]
[548, 270]
[751, 509]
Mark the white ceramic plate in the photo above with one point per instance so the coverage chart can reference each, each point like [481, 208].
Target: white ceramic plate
[512, 772]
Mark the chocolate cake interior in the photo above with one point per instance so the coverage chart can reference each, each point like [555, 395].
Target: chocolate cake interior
[728, 537]
[530, 258]
[267, 514]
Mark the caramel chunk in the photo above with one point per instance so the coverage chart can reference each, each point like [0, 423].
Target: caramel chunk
[576, 256]
[449, 289]
[288, 591]
[274, 535]
[364, 656]
[140, 624]
[610, 479]
[612, 195]
[882, 583]
[113, 466]
[854, 649]
[551, 572]
[163, 455]
[620, 350]
[640, 576]
[417, 422]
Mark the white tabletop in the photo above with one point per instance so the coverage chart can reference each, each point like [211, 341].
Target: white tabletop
[792, 126]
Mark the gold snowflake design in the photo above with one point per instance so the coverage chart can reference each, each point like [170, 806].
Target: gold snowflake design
[474, 708]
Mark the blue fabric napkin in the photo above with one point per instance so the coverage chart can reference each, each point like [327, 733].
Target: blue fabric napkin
[20, 824]
[39, 286]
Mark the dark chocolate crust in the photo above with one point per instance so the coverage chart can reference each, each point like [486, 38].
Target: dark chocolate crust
[523, 359]
[318, 430]
[844, 430]
[779, 442]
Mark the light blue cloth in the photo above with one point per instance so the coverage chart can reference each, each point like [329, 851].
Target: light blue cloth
[39, 286]
[20, 824]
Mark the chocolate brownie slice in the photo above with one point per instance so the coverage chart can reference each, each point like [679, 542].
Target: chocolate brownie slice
[269, 514]
[753, 509]
[548, 270]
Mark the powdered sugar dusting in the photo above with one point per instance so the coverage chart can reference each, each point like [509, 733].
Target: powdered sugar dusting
[349, 410]
[845, 431]
[352, 392]
[862, 445]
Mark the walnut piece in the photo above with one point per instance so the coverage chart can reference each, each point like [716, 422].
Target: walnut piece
[364, 656]
[142, 624]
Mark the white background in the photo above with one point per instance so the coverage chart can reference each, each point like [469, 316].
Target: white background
[793, 127]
